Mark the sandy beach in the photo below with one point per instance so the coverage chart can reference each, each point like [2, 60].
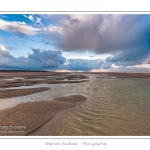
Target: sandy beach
[76, 103]
[27, 117]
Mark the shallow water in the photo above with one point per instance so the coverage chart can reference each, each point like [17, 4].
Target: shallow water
[14, 78]
[45, 95]
[113, 107]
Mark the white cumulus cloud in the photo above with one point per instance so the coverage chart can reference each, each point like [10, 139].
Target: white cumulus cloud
[18, 28]
[30, 17]
[2, 48]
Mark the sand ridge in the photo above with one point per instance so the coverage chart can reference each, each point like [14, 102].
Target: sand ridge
[16, 78]
[27, 117]
[9, 93]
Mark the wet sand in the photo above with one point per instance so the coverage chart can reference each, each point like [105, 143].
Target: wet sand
[123, 75]
[9, 93]
[16, 78]
[113, 103]
[28, 117]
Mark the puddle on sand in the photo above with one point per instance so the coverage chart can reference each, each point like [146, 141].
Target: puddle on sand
[44, 95]
[14, 78]
[55, 91]
[52, 86]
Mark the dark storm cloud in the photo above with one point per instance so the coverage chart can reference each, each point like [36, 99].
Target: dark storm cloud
[74, 21]
[38, 60]
[105, 33]
[126, 37]
[130, 57]
[129, 69]
[82, 64]
[47, 59]
[41, 59]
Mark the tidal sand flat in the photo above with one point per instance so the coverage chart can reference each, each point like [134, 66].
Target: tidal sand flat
[100, 104]
[27, 78]
[8, 93]
[27, 117]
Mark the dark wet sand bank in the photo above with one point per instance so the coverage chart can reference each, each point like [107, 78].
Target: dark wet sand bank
[16, 78]
[9, 93]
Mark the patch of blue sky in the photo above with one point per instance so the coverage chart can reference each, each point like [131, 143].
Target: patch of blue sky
[15, 17]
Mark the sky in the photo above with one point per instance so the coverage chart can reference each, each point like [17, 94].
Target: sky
[75, 42]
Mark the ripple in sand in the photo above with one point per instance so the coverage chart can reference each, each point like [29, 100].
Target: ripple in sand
[33, 115]
[113, 107]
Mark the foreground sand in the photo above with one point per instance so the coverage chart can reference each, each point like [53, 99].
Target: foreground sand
[28, 117]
